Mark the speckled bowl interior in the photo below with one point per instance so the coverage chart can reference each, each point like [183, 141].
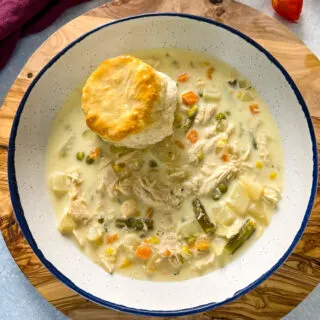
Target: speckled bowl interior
[64, 73]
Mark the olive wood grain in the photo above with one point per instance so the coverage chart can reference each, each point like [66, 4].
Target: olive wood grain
[296, 278]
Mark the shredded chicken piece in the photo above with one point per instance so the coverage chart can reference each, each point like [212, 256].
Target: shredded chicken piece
[128, 208]
[108, 180]
[170, 242]
[104, 162]
[262, 140]
[206, 112]
[271, 195]
[246, 155]
[192, 185]
[178, 175]
[224, 136]
[74, 176]
[205, 262]
[78, 210]
[229, 231]
[74, 183]
[129, 157]
[66, 146]
[225, 172]
[207, 168]
[211, 131]
[108, 262]
[156, 194]
[124, 186]
[194, 150]
[200, 82]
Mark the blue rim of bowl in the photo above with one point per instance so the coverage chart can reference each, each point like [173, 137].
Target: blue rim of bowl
[18, 210]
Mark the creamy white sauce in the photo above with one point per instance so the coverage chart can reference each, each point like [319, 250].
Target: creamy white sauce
[263, 169]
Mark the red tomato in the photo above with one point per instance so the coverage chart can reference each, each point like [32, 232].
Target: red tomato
[289, 9]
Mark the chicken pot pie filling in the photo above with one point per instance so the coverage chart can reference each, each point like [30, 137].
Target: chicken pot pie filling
[181, 207]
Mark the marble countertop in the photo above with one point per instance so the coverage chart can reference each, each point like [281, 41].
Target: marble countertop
[19, 299]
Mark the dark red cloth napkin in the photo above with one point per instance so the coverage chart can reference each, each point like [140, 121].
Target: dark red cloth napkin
[21, 17]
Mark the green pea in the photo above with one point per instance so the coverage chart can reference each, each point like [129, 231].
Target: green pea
[80, 156]
[223, 188]
[228, 113]
[89, 160]
[220, 116]
[200, 156]
[101, 220]
[153, 164]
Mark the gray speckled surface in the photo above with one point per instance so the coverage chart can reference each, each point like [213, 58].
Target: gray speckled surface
[20, 299]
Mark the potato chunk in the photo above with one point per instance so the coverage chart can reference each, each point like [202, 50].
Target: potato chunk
[253, 188]
[238, 199]
[59, 183]
[66, 224]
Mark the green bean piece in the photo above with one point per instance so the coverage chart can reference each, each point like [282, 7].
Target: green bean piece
[220, 116]
[223, 188]
[246, 231]
[192, 112]
[188, 123]
[80, 156]
[201, 215]
[177, 121]
[89, 160]
[253, 140]
[136, 224]
[153, 163]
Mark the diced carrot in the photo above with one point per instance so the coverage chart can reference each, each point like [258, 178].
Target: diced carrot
[183, 77]
[179, 144]
[149, 213]
[210, 72]
[193, 136]
[167, 253]
[225, 157]
[143, 252]
[202, 244]
[254, 108]
[190, 98]
[95, 153]
[112, 237]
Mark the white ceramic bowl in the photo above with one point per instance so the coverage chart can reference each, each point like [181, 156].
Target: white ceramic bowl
[26, 164]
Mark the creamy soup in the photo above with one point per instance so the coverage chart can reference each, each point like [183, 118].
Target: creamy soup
[184, 206]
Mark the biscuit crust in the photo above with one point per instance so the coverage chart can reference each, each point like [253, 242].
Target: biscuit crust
[119, 96]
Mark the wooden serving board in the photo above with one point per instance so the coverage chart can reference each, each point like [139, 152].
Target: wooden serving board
[296, 278]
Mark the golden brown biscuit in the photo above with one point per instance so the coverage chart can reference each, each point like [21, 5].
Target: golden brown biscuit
[119, 97]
